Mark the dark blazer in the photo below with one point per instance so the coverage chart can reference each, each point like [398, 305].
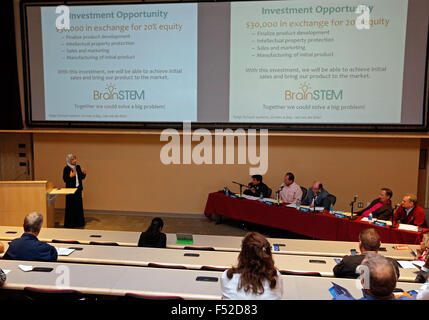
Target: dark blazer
[71, 182]
[422, 276]
[322, 199]
[416, 217]
[347, 267]
[259, 188]
[383, 213]
[29, 248]
[146, 240]
[2, 277]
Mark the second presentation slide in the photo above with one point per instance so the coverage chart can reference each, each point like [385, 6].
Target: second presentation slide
[317, 62]
[121, 63]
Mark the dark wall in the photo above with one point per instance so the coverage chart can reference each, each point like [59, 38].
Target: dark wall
[10, 112]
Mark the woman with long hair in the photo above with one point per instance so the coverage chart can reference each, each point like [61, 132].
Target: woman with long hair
[255, 276]
[153, 237]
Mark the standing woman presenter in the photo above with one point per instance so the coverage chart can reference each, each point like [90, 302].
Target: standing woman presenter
[73, 175]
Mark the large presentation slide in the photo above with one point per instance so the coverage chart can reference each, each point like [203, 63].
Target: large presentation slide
[121, 63]
[307, 62]
[339, 62]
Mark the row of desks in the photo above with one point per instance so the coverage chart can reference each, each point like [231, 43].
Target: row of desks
[219, 243]
[191, 259]
[119, 280]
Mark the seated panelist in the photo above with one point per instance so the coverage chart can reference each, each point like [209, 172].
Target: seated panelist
[409, 212]
[290, 191]
[317, 196]
[381, 207]
[256, 187]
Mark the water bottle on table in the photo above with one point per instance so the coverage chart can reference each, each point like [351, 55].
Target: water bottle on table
[370, 217]
[331, 209]
[298, 204]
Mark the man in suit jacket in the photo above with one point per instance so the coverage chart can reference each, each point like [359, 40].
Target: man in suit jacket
[28, 247]
[381, 207]
[369, 241]
[409, 212]
[380, 282]
[317, 196]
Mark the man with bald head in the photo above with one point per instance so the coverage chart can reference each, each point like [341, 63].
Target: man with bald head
[317, 196]
[378, 279]
[369, 242]
[28, 247]
[409, 212]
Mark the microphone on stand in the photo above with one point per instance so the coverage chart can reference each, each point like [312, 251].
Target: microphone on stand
[241, 187]
[355, 197]
[393, 215]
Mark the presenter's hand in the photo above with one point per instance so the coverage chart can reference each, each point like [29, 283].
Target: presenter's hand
[73, 174]
[84, 171]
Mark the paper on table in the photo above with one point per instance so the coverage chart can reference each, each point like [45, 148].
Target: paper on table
[25, 268]
[291, 205]
[407, 264]
[320, 209]
[64, 251]
[419, 263]
[6, 271]
[408, 227]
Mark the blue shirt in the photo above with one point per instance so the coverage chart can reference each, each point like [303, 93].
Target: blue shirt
[29, 248]
[366, 296]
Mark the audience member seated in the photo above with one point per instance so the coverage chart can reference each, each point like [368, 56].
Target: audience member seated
[28, 247]
[423, 274]
[256, 187]
[317, 196]
[409, 212]
[423, 251]
[255, 276]
[423, 277]
[2, 277]
[290, 191]
[369, 241]
[153, 237]
[380, 283]
[381, 207]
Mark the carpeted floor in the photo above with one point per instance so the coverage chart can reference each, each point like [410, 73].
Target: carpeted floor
[173, 223]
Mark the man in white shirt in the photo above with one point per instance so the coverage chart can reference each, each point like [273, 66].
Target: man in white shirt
[291, 192]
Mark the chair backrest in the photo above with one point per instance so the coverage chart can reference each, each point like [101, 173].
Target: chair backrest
[199, 248]
[65, 241]
[304, 193]
[297, 273]
[140, 297]
[156, 265]
[97, 243]
[270, 191]
[332, 199]
[52, 295]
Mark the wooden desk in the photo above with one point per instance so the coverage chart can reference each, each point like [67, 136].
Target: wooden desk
[115, 255]
[118, 280]
[219, 243]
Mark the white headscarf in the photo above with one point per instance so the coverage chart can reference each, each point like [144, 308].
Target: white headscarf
[69, 159]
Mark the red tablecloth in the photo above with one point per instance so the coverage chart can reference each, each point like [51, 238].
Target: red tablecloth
[323, 226]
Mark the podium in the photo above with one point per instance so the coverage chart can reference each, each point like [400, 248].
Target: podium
[18, 198]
